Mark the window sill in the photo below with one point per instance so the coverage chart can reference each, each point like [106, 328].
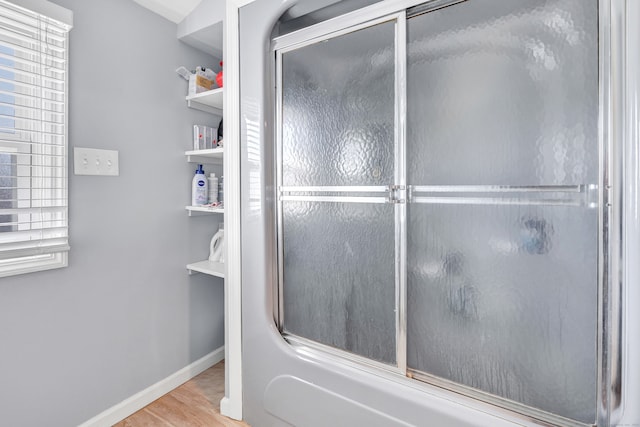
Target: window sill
[32, 264]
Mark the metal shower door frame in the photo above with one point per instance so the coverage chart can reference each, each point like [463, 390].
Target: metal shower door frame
[392, 193]
[609, 196]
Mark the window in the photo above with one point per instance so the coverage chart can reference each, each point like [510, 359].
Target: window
[33, 141]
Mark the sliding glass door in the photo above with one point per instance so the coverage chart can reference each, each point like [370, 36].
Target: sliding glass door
[502, 151]
[438, 207]
[337, 158]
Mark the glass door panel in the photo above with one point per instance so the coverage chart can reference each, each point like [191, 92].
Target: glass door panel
[337, 154]
[339, 286]
[502, 298]
[502, 162]
[504, 93]
[338, 110]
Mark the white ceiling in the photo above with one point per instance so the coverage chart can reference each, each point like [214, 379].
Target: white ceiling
[173, 10]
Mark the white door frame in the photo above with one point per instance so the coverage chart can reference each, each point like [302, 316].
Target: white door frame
[231, 403]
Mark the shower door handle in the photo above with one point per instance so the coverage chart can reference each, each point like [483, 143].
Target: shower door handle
[397, 193]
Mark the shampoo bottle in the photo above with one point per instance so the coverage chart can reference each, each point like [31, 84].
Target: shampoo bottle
[199, 188]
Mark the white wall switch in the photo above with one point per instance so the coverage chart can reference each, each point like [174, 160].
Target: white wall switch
[91, 161]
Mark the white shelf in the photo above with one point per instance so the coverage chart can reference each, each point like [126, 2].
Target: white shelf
[209, 101]
[195, 210]
[212, 268]
[213, 155]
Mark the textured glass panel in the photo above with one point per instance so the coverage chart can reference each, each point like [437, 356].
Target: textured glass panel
[339, 276]
[504, 92]
[504, 299]
[338, 110]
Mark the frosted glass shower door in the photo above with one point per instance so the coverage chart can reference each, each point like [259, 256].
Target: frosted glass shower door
[337, 154]
[502, 162]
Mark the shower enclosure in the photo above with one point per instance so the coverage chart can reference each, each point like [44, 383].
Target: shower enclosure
[432, 217]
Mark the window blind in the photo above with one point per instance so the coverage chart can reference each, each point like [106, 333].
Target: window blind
[33, 135]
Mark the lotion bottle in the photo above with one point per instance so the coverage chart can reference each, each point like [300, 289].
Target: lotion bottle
[199, 188]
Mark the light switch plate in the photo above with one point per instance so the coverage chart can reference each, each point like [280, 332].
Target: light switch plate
[91, 161]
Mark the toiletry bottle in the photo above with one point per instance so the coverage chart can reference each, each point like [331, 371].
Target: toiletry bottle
[198, 137]
[199, 188]
[213, 188]
[219, 77]
[221, 189]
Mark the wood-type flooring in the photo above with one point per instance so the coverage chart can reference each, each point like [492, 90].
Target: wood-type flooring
[195, 403]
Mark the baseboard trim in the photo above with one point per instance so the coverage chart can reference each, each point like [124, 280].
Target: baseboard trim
[141, 399]
[231, 408]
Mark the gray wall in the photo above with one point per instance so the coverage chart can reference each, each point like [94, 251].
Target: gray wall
[124, 314]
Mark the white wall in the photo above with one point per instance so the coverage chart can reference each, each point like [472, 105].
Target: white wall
[124, 314]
